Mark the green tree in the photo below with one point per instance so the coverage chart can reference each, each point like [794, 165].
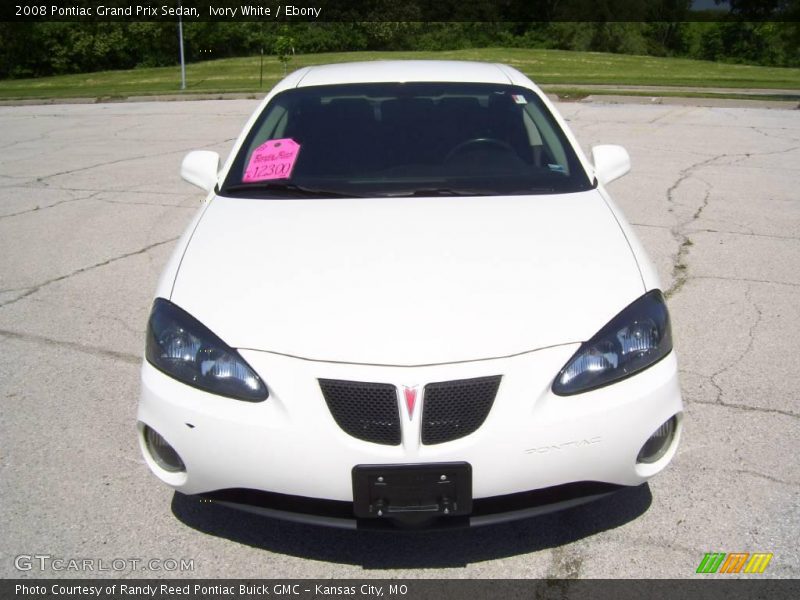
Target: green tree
[284, 48]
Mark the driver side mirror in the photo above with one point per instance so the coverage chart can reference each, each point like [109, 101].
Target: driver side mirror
[610, 162]
[200, 168]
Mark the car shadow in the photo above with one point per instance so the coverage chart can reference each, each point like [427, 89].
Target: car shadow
[414, 549]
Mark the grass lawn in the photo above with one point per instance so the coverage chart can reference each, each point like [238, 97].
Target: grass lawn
[543, 66]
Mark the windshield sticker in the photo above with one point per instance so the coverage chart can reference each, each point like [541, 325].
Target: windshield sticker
[272, 160]
[519, 99]
[557, 168]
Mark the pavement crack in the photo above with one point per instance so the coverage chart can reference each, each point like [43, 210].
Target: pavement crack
[680, 267]
[750, 338]
[84, 308]
[762, 131]
[713, 378]
[672, 111]
[703, 206]
[105, 164]
[38, 208]
[93, 350]
[746, 408]
[681, 230]
[39, 286]
[744, 280]
[122, 160]
[651, 226]
[23, 141]
[771, 153]
[161, 204]
[126, 191]
[765, 476]
[105, 190]
[725, 231]
[744, 233]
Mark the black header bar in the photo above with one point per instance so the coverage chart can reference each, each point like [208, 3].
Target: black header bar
[399, 10]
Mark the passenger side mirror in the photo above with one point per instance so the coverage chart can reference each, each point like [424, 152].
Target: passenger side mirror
[200, 168]
[610, 162]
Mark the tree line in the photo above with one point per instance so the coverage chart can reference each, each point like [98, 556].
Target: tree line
[52, 48]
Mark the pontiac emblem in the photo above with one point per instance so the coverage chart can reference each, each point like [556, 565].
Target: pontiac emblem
[410, 394]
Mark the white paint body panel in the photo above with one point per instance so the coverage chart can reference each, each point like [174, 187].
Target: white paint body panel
[406, 70]
[409, 291]
[531, 439]
[407, 281]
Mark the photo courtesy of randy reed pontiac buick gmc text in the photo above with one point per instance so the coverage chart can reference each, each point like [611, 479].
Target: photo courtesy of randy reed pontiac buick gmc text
[197, 589]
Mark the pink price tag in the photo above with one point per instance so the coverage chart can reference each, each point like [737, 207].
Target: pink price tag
[272, 160]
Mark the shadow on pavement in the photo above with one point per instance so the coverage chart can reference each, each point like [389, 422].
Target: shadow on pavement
[413, 549]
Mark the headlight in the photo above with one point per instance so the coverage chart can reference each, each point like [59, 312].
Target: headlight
[636, 338]
[184, 348]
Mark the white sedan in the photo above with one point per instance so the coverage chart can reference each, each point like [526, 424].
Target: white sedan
[408, 300]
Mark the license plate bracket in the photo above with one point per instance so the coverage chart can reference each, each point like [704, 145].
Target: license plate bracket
[412, 490]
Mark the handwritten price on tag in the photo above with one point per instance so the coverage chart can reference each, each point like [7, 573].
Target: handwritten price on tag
[274, 159]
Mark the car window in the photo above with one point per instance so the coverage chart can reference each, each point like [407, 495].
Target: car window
[411, 139]
[272, 127]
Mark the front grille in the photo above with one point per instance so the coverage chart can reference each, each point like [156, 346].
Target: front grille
[367, 411]
[454, 409]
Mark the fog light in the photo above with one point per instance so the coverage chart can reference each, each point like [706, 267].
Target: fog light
[162, 453]
[655, 447]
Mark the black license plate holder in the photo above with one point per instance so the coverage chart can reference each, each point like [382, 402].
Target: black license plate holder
[406, 490]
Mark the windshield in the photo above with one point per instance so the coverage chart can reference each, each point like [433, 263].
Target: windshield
[398, 139]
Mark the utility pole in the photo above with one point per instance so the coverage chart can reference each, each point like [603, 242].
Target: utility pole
[180, 39]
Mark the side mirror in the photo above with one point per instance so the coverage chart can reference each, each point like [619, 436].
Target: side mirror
[200, 168]
[610, 162]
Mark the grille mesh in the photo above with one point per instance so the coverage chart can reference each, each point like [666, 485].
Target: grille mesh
[367, 411]
[454, 409]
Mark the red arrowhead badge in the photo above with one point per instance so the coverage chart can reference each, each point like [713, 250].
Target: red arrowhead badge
[411, 399]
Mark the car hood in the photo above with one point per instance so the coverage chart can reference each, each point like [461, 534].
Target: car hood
[407, 281]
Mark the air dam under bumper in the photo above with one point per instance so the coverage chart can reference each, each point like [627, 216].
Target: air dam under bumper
[486, 511]
[290, 446]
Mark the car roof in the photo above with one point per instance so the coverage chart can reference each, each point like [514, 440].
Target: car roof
[405, 70]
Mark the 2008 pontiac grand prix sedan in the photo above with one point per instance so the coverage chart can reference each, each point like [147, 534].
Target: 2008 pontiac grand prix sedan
[408, 300]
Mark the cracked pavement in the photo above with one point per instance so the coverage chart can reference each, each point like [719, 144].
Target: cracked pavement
[91, 205]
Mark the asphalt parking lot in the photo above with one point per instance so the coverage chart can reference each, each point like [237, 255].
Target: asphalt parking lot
[90, 206]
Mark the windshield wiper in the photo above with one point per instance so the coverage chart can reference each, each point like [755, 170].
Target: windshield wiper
[290, 188]
[469, 192]
[437, 192]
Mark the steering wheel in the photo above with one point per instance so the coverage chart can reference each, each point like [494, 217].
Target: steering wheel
[477, 142]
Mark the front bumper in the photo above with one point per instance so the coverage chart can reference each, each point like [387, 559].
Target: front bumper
[287, 456]
[486, 511]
